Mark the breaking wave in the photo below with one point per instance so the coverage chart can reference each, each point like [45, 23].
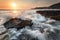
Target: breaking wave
[42, 29]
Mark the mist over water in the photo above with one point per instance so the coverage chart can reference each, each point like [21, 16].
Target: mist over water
[42, 29]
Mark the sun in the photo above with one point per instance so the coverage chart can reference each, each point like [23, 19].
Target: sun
[14, 7]
[13, 4]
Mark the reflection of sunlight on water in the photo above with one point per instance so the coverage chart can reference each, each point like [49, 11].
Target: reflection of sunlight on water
[14, 13]
[10, 13]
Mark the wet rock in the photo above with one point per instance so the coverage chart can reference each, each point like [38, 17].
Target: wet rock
[17, 23]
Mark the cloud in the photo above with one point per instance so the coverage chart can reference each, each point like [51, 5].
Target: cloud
[42, 1]
[28, 3]
[39, 2]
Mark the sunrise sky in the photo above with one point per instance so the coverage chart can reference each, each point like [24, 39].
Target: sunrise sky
[25, 4]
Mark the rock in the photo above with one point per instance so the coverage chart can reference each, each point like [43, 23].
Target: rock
[17, 23]
[55, 6]
[51, 14]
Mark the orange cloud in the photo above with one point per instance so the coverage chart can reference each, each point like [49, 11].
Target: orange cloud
[6, 4]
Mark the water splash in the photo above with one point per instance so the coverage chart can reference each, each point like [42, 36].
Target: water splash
[42, 29]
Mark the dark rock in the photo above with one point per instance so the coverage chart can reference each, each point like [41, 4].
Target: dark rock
[52, 14]
[40, 8]
[55, 6]
[17, 23]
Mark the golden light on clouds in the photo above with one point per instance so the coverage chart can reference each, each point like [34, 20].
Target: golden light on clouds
[14, 5]
[24, 4]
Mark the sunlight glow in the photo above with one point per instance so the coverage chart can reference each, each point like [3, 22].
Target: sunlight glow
[14, 7]
[15, 13]
[13, 4]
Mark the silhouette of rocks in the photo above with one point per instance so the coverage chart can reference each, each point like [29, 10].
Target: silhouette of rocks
[55, 6]
[51, 14]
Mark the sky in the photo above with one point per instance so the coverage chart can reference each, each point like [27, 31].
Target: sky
[26, 4]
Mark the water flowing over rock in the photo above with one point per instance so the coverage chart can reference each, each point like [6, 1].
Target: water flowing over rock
[42, 28]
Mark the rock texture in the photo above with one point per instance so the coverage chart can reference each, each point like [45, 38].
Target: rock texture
[17, 23]
[51, 14]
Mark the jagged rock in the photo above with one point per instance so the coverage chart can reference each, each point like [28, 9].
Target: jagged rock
[17, 23]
